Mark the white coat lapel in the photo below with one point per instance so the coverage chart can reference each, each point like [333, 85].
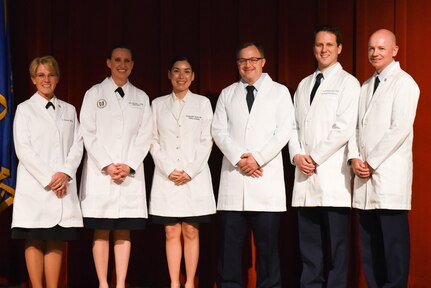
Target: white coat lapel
[319, 97]
[170, 106]
[108, 93]
[188, 108]
[42, 111]
[261, 96]
[59, 110]
[306, 97]
[240, 99]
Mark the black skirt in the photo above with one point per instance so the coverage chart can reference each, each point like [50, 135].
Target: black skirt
[115, 224]
[56, 233]
[165, 220]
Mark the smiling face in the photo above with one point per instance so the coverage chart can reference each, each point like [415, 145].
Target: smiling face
[121, 65]
[250, 64]
[45, 81]
[382, 49]
[181, 76]
[326, 49]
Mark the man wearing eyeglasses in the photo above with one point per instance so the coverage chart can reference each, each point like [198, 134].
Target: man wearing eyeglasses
[326, 105]
[253, 121]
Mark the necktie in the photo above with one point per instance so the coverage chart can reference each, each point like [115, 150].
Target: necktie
[120, 91]
[376, 83]
[49, 104]
[250, 96]
[316, 85]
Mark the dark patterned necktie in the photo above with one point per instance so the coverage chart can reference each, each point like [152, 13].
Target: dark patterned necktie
[316, 85]
[120, 91]
[250, 96]
[49, 104]
[376, 84]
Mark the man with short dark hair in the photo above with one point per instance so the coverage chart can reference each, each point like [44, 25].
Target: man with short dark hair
[253, 121]
[325, 112]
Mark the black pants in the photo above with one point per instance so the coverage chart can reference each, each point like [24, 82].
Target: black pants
[324, 246]
[233, 228]
[385, 247]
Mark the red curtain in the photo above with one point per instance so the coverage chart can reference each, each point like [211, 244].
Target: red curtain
[79, 33]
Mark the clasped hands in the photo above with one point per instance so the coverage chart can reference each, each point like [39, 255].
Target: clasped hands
[305, 164]
[58, 184]
[362, 169]
[118, 172]
[179, 177]
[249, 166]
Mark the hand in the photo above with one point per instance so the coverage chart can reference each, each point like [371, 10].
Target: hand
[361, 168]
[369, 168]
[118, 172]
[58, 184]
[249, 166]
[305, 164]
[60, 193]
[179, 177]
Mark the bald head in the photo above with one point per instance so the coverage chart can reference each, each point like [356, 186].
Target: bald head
[386, 34]
[382, 48]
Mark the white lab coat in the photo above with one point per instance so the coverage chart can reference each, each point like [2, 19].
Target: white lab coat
[384, 139]
[44, 146]
[323, 130]
[183, 144]
[263, 132]
[114, 133]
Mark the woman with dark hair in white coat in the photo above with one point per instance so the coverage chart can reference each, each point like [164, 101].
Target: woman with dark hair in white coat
[182, 194]
[46, 208]
[116, 128]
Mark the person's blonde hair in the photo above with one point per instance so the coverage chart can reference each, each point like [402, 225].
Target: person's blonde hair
[48, 61]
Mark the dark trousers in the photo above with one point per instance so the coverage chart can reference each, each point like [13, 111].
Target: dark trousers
[233, 229]
[385, 247]
[324, 246]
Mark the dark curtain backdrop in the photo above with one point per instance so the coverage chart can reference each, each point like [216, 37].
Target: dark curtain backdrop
[79, 33]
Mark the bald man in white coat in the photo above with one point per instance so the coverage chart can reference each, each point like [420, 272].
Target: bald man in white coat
[382, 160]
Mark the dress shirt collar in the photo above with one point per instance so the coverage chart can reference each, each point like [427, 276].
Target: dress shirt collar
[42, 101]
[256, 84]
[175, 98]
[115, 86]
[385, 71]
[328, 71]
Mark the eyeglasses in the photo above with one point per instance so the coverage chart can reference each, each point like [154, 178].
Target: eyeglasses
[43, 76]
[253, 60]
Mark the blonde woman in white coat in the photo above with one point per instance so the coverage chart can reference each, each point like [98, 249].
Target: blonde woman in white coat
[46, 208]
[182, 194]
[116, 128]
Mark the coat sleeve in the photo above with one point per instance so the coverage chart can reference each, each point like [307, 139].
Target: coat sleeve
[220, 131]
[161, 160]
[285, 123]
[74, 154]
[294, 143]
[88, 128]
[403, 115]
[203, 148]
[26, 153]
[344, 125]
[139, 150]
